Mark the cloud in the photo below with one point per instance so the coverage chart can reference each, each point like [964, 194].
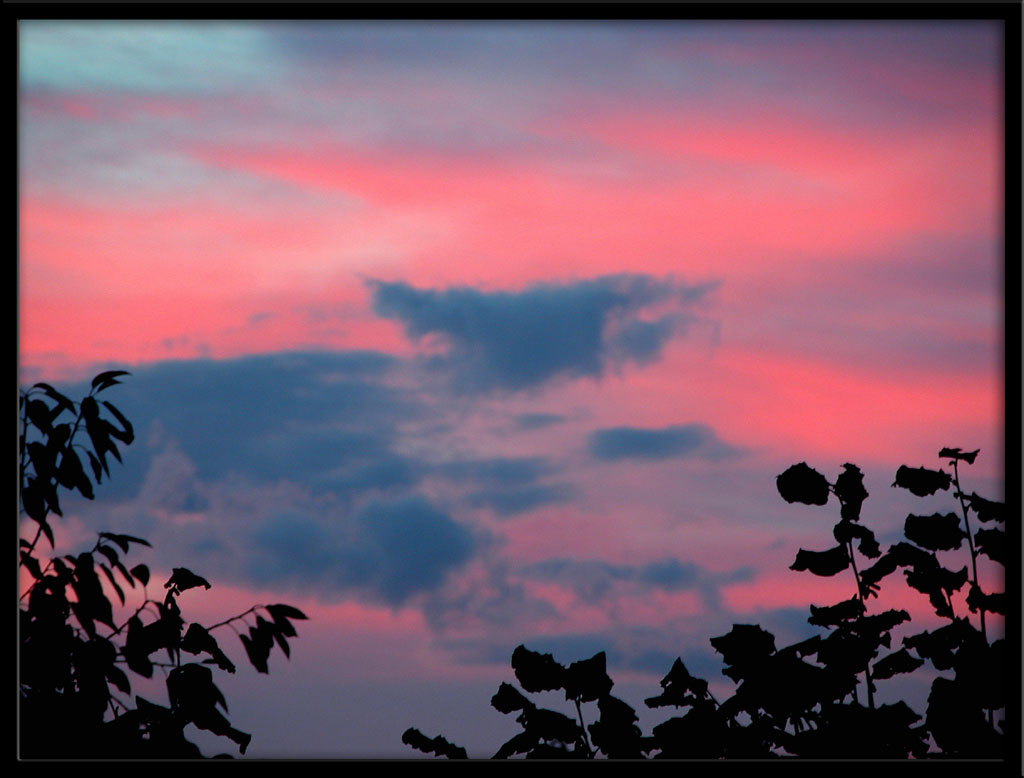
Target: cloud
[507, 485]
[389, 550]
[517, 340]
[679, 440]
[595, 580]
[533, 421]
[510, 502]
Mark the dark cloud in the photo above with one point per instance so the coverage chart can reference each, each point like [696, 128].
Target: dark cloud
[679, 440]
[518, 340]
[298, 416]
[389, 550]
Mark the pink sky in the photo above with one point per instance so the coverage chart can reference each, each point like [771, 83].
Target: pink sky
[814, 213]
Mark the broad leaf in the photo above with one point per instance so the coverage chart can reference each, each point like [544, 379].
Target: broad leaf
[823, 563]
[938, 532]
[922, 481]
[802, 483]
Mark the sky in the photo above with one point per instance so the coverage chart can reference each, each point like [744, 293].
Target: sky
[460, 336]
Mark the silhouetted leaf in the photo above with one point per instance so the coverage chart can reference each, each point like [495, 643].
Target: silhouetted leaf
[537, 672]
[127, 435]
[897, 662]
[744, 646]
[113, 583]
[32, 564]
[182, 579]
[850, 490]
[987, 510]
[991, 542]
[616, 733]
[804, 484]
[846, 530]
[587, 679]
[937, 532]
[119, 679]
[141, 572]
[550, 725]
[922, 481]
[956, 453]
[106, 379]
[680, 688]
[521, 743]
[940, 644]
[123, 541]
[508, 699]
[63, 403]
[287, 611]
[978, 600]
[833, 615]
[38, 413]
[97, 468]
[823, 563]
[257, 656]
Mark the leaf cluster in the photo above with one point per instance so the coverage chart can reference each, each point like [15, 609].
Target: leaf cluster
[75, 655]
[802, 700]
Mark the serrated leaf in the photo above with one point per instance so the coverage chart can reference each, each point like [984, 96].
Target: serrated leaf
[993, 603]
[938, 532]
[833, 615]
[537, 672]
[956, 453]
[850, 490]
[823, 563]
[991, 543]
[987, 510]
[587, 680]
[508, 699]
[922, 481]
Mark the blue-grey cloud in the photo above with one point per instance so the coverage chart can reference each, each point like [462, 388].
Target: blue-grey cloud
[678, 440]
[507, 485]
[502, 471]
[533, 421]
[389, 550]
[518, 340]
[593, 580]
[298, 416]
[511, 502]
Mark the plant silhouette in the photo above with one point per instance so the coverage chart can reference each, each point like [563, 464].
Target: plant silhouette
[75, 693]
[805, 700]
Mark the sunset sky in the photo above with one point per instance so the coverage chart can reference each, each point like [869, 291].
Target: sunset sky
[464, 335]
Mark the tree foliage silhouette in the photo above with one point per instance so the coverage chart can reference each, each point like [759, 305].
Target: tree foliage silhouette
[75, 693]
[803, 700]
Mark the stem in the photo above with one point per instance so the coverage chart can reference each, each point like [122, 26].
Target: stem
[970, 541]
[234, 618]
[586, 740]
[860, 595]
